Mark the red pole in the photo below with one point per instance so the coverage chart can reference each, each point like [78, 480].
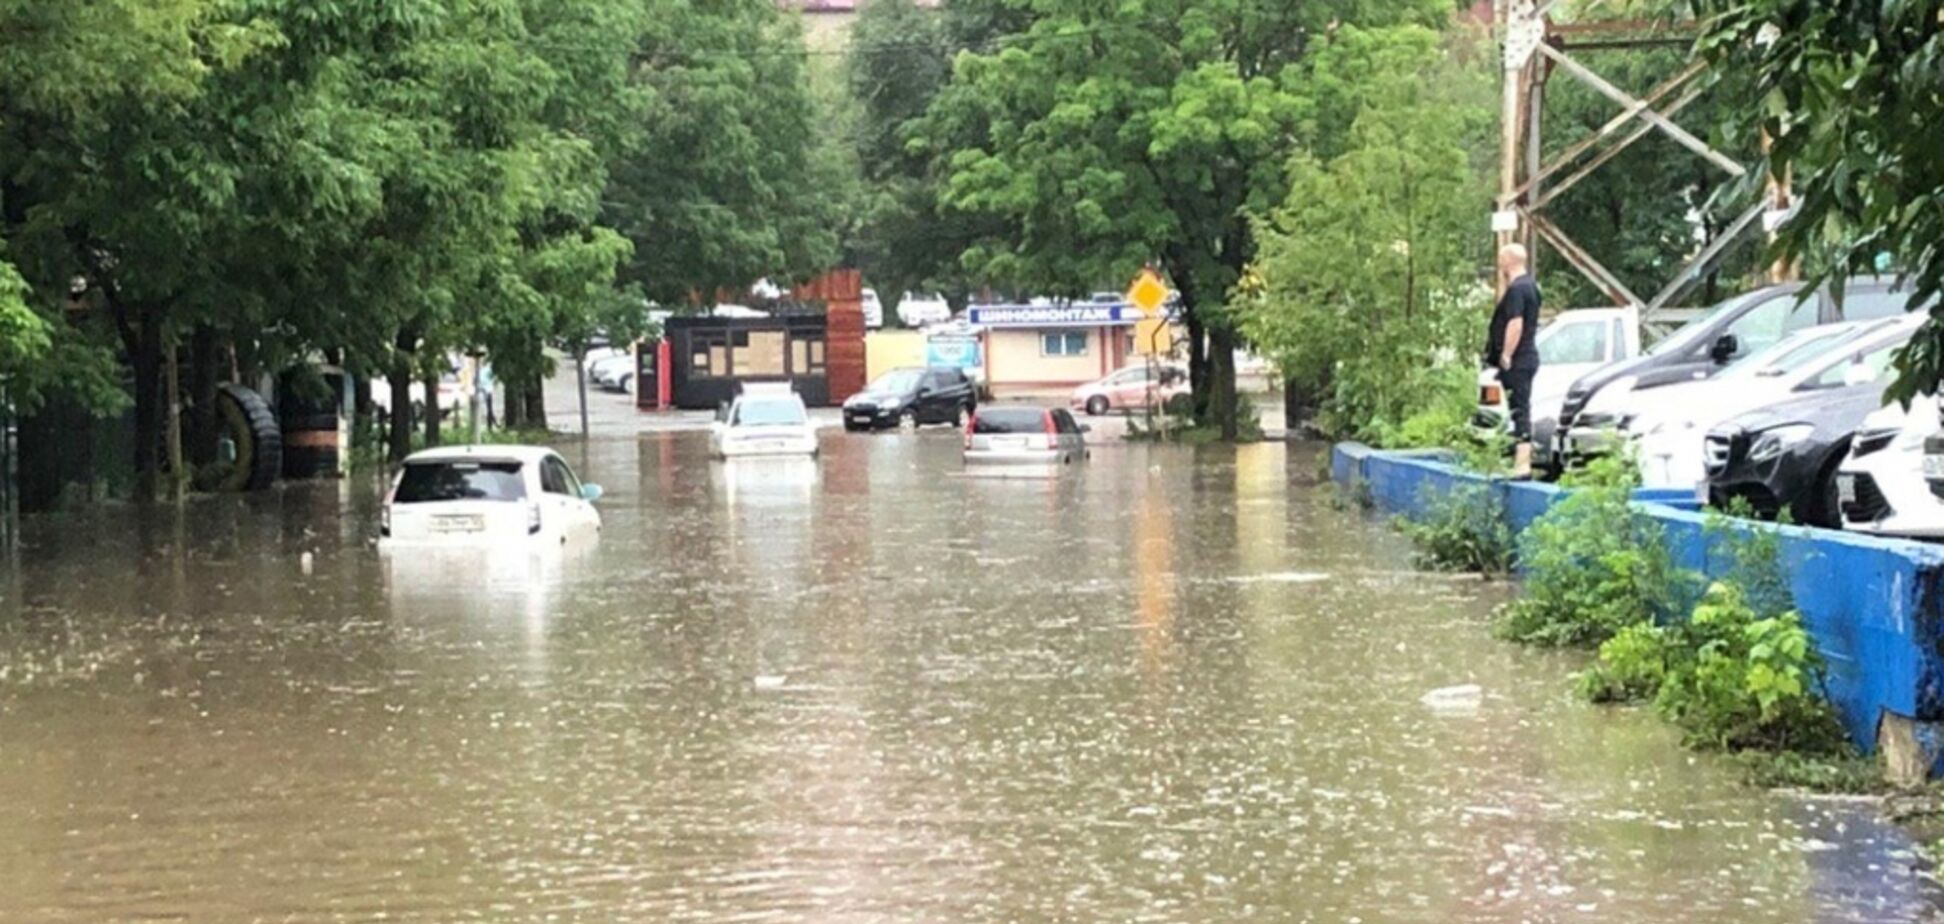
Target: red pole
[664, 365]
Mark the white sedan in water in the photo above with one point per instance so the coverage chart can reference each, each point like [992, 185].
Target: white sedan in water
[488, 495]
[765, 420]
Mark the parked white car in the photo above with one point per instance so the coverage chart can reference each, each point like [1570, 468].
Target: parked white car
[765, 420]
[472, 495]
[1672, 427]
[613, 373]
[919, 310]
[1570, 345]
[1880, 487]
[873, 310]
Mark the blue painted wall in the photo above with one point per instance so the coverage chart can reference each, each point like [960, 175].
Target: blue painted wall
[1873, 605]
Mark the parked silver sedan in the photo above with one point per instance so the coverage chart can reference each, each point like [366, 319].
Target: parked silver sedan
[1024, 436]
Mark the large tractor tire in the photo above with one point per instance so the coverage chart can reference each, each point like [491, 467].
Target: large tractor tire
[251, 427]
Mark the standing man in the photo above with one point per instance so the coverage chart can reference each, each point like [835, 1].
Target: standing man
[1511, 351]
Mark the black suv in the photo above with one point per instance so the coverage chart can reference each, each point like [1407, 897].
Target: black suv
[911, 397]
[1732, 330]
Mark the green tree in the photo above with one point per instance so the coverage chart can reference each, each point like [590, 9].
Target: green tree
[731, 183]
[1846, 90]
[1369, 291]
[1148, 131]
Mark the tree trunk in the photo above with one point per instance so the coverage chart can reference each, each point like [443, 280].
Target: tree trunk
[400, 380]
[1197, 359]
[513, 416]
[434, 413]
[172, 414]
[147, 364]
[536, 407]
[205, 433]
[1221, 384]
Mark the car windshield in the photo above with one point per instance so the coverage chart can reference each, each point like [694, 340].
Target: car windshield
[1790, 354]
[896, 382]
[434, 482]
[768, 412]
[1010, 420]
[1688, 335]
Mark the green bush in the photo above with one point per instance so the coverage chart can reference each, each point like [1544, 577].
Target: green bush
[1593, 567]
[1463, 530]
[1728, 676]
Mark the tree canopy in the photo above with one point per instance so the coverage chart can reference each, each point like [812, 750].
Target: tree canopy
[1846, 92]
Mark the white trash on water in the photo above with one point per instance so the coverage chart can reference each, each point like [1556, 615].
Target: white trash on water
[1465, 696]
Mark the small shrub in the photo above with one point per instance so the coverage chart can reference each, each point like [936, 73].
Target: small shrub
[1593, 568]
[1741, 680]
[1464, 530]
[1631, 668]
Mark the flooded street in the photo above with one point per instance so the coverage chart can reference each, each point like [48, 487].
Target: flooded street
[1175, 686]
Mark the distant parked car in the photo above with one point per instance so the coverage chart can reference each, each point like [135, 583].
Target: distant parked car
[1881, 487]
[911, 397]
[1134, 387]
[919, 310]
[1024, 436]
[607, 370]
[492, 495]
[451, 397]
[765, 420]
[599, 355]
[1734, 330]
[1570, 346]
[873, 310]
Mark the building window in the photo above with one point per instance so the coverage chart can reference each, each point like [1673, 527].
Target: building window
[1066, 343]
[806, 356]
[708, 355]
[760, 353]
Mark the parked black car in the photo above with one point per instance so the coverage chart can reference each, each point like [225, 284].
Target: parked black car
[1785, 456]
[910, 397]
[1734, 329]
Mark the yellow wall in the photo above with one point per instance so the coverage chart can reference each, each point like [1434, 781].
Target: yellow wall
[1013, 358]
[885, 350]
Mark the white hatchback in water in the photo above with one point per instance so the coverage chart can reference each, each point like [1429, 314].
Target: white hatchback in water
[765, 420]
[488, 495]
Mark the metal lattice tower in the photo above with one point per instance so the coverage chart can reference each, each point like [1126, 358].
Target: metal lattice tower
[1534, 48]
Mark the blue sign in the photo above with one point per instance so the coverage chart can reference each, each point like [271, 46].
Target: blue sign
[1082, 315]
[954, 352]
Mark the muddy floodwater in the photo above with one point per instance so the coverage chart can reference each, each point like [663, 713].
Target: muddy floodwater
[1175, 686]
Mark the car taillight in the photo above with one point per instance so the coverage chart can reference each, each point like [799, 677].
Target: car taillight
[1490, 394]
[1052, 432]
[533, 517]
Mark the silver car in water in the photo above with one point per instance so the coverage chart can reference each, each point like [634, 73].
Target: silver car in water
[1023, 435]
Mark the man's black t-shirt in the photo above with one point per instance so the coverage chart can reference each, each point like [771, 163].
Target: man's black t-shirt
[1521, 300]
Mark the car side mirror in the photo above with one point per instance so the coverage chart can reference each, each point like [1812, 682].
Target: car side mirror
[591, 492]
[1857, 372]
[722, 412]
[1086, 428]
[1725, 348]
[924, 392]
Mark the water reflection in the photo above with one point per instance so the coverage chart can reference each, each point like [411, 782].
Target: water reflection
[1177, 687]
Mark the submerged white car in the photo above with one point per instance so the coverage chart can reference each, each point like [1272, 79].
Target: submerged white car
[765, 420]
[477, 495]
[1880, 487]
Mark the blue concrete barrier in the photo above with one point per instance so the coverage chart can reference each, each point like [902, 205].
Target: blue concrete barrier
[1872, 605]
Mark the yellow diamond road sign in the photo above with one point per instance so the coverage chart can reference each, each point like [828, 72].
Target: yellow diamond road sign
[1148, 292]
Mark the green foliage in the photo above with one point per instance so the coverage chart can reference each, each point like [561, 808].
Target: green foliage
[1592, 567]
[1846, 90]
[1371, 301]
[1465, 530]
[1730, 677]
[1103, 137]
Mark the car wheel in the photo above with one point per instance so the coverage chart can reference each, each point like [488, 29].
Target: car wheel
[959, 414]
[1097, 405]
[626, 384]
[908, 420]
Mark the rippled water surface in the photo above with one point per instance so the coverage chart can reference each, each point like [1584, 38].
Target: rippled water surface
[1176, 686]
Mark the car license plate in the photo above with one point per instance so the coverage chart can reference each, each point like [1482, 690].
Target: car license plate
[768, 445]
[1934, 468]
[1845, 489]
[1009, 442]
[458, 524]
